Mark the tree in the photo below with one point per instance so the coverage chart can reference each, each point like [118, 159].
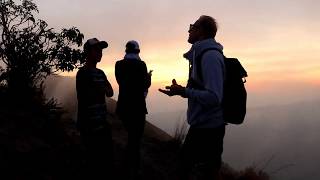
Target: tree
[30, 50]
[31, 125]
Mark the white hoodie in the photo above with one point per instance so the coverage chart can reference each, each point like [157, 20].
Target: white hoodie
[204, 106]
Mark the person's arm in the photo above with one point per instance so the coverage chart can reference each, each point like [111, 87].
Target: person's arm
[80, 86]
[174, 89]
[109, 90]
[117, 73]
[147, 77]
[213, 77]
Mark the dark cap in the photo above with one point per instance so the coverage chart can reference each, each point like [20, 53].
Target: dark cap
[94, 42]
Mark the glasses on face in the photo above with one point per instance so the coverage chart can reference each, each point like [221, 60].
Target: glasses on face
[192, 27]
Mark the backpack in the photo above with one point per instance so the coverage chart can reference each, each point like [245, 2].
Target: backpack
[234, 93]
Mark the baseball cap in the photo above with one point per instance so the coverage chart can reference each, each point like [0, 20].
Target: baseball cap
[132, 45]
[95, 42]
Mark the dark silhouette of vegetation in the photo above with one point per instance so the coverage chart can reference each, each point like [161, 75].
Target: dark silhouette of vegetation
[30, 50]
[33, 136]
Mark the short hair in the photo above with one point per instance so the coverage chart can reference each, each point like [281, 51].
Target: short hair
[209, 25]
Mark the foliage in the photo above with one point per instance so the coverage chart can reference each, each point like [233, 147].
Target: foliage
[30, 50]
[30, 127]
[180, 132]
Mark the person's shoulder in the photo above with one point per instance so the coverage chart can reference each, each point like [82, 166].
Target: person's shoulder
[213, 53]
[142, 63]
[139, 64]
[119, 63]
[213, 58]
[99, 71]
[82, 70]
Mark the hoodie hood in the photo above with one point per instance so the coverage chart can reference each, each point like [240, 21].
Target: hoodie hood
[132, 56]
[199, 46]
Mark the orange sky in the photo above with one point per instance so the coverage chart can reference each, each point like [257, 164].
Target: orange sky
[276, 41]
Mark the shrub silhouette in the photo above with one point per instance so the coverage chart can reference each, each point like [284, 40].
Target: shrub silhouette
[30, 50]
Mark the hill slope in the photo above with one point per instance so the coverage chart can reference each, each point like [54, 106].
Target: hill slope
[52, 149]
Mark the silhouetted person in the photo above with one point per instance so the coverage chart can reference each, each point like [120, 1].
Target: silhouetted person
[203, 146]
[95, 131]
[134, 81]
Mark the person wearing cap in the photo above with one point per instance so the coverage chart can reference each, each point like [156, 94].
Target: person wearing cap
[134, 81]
[92, 88]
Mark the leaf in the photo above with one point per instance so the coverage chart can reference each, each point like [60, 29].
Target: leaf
[32, 47]
[31, 19]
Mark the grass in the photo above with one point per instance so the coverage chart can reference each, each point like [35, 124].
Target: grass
[51, 149]
[180, 132]
[226, 172]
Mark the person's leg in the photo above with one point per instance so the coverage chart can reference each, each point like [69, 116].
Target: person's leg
[104, 153]
[209, 162]
[186, 156]
[99, 151]
[85, 141]
[201, 152]
[135, 134]
[125, 119]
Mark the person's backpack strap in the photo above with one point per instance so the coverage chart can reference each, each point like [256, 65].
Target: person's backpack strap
[199, 60]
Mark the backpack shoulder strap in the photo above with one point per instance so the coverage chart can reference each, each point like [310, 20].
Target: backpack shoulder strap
[198, 60]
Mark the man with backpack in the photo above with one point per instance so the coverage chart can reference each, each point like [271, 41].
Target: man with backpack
[203, 146]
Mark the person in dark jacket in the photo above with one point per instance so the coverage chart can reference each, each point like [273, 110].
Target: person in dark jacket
[92, 88]
[134, 81]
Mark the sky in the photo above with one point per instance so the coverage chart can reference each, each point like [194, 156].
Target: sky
[277, 41]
